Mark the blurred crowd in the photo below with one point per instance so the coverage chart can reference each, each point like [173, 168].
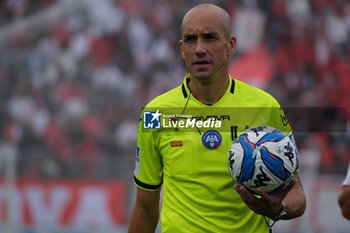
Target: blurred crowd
[71, 91]
[11, 10]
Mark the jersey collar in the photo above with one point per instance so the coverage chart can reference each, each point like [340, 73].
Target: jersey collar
[186, 90]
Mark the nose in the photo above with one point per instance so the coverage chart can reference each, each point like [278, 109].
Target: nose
[200, 47]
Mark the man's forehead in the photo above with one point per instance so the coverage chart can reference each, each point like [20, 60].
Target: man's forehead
[207, 20]
[200, 30]
[190, 29]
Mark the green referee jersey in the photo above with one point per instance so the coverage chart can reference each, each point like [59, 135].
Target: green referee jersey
[191, 163]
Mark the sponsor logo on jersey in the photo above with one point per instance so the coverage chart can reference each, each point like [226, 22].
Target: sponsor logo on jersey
[178, 122]
[151, 120]
[211, 139]
[155, 120]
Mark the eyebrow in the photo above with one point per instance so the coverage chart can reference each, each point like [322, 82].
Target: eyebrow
[190, 36]
[194, 35]
[210, 34]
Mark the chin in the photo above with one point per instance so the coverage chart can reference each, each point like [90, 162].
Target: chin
[202, 75]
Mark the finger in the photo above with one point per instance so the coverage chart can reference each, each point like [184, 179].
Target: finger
[269, 199]
[246, 195]
[263, 194]
[240, 190]
[243, 190]
[236, 186]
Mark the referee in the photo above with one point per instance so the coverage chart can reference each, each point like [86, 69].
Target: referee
[199, 195]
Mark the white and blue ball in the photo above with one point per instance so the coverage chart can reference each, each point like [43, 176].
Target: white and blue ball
[263, 156]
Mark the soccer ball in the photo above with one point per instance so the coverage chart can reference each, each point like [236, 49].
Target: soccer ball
[263, 156]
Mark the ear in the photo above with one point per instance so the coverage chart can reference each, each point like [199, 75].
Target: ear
[182, 48]
[232, 46]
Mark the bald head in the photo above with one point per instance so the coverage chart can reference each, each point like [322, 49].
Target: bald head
[209, 10]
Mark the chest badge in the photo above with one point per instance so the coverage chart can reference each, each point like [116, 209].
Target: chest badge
[211, 139]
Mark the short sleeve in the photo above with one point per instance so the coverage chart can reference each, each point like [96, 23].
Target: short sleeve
[148, 173]
[279, 120]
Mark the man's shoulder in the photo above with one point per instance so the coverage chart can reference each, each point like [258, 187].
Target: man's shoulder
[248, 89]
[253, 94]
[171, 98]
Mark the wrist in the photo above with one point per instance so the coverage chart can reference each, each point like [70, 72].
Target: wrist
[282, 212]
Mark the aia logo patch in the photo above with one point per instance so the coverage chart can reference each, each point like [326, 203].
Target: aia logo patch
[176, 143]
[211, 139]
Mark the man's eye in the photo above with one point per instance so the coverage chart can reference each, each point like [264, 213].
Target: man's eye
[209, 37]
[189, 38]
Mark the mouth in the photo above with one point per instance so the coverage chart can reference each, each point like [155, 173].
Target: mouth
[201, 63]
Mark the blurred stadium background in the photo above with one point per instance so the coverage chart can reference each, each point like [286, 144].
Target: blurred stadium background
[74, 76]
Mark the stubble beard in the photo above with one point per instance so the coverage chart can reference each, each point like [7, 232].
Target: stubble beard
[207, 76]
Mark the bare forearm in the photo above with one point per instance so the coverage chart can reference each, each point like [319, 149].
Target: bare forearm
[145, 215]
[344, 202]
[143, 221]
[295, 201]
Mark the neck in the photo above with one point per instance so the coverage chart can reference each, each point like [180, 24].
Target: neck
[208, 92]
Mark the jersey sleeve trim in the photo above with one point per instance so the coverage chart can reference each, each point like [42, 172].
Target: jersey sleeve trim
[144, 186]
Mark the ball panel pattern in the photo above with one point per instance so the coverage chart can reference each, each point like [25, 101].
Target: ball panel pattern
[264, 157]
[274, 164]
[248, 164]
